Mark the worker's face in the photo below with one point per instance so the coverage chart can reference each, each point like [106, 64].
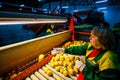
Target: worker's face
[52, 26]
[94, 41]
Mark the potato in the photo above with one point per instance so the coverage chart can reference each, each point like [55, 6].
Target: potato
[65, 73]
[60, 63]
[61, 58]
[41, 57]
[56, 58]
[45, 69]
[72, 58]
[56, 63]
[49, 72]
[65, 64]
[13, 75]
[59, 78]
[71, 71]
[76, 69]
[52, 64]
[61, 71]
[57, 68]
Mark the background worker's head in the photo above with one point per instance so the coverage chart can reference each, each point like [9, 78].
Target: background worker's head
[52, 26]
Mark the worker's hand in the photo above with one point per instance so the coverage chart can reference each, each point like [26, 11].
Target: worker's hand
[80, 65]
[57, 50]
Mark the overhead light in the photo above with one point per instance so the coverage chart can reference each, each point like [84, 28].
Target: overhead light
[101, 1]
[65, 7]
[44, 9]
[39, 0]
[8, 18]
[22, 5]
[76, 10]
[0, 5]
[11, 21]
[102, 8]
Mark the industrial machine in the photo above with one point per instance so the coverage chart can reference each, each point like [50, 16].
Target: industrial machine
[20, 60]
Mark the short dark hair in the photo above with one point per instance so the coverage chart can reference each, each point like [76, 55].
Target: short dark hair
[105, 36]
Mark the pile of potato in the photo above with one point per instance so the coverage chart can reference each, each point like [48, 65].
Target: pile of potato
[64, 63]
[78, 43]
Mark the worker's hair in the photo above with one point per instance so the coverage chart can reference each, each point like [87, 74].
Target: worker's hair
[105, 37]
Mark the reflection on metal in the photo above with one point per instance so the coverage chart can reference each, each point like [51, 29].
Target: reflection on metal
[9, 21]
[14, 55]
[7, 18]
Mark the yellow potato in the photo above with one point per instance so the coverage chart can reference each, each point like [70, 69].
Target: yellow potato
[52, 64]
[51, 61]
[57, 68]
[61, 70]
[64, 64]
[13, 75]
[61, 53]
[60, 63]
[53, 58]
[71, 71]
[76, 69]
[65, 73]
[62, 56]
[64, 68]
[41, 57]
[49, 72]
[56, 63]
[56, 58]
[67, 59]
[67, 62]
[59, 78]
[72, 58]
[65, 55]
[45, 69]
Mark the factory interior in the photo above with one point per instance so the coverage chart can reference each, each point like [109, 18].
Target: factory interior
[31, 29]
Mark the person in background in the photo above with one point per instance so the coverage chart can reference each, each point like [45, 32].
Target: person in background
[69, 16]
[116, 31]
[51, 29]
[77, 19]
[96, 18]
[101, 62]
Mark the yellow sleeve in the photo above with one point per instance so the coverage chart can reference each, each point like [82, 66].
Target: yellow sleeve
[108, 61]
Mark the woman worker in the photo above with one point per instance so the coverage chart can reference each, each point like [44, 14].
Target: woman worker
[101, 62]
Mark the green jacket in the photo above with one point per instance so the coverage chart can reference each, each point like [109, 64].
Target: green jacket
[105, 66]
[49, 31]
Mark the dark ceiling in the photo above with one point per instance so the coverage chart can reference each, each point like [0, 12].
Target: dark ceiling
[28, 3]
[39, 3]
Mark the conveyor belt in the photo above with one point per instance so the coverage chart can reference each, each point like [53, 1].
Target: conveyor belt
[36, 72]
[24, 52]
[32, 68]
